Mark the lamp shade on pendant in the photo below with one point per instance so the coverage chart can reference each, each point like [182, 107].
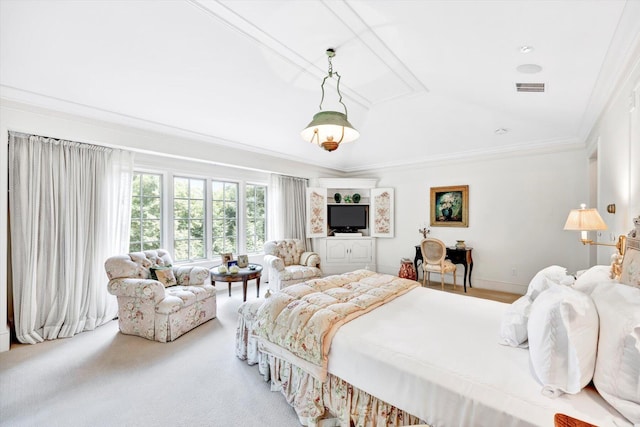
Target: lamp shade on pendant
[329, 129]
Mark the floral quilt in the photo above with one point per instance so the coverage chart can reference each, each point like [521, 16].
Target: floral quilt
[299, 322]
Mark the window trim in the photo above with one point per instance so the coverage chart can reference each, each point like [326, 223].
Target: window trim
[266, 214]
[239, 214]
[162, 208]
[167, 215]
[173, 220]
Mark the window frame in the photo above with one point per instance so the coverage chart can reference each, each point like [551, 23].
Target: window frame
[183, 168]
[140, 218]
[246, 216]
[172, 228]
[238, 218]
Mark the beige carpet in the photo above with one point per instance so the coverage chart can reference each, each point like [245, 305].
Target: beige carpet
[104, 378]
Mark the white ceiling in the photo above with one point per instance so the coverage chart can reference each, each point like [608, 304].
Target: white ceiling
[422, 80]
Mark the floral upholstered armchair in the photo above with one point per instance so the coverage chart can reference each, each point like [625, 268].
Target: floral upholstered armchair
[156, 300]
[288, 263]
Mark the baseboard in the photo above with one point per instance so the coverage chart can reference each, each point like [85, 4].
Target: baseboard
[512, 288]
[5, 341]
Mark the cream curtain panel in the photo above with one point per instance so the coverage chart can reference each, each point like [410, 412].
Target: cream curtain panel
[287, 217]
[69, 207]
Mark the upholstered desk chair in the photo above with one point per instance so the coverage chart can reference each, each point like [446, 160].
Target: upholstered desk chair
[433, 261]
[288, 262]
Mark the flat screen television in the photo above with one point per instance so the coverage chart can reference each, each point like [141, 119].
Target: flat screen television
[347, 218]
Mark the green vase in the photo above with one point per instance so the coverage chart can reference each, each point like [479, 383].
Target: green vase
[356, 198]
[337, 197]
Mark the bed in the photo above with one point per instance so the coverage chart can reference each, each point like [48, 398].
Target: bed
[423, 357]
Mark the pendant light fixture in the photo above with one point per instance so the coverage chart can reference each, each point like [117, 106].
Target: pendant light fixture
[329, 129]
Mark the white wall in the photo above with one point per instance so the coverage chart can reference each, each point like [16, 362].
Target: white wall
[517, 209]
[616, 136]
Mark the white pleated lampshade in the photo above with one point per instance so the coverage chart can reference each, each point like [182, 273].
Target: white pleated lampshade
[584, 220]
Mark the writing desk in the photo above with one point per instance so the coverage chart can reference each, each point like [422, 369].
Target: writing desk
[456, 256]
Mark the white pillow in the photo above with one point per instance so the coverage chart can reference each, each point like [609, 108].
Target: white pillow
[538, 284]
[563, 339]
[513, 328]
[617, 374]
[590, 279]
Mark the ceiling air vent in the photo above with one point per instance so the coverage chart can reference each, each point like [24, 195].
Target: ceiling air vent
[530, 87]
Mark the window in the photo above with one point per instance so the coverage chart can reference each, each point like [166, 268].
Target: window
[188, 218]
[146, 202]
[197, 218]
[256, 214]
[224, 217]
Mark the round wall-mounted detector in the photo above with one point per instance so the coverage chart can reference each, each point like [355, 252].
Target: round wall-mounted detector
[526, 49]
[529, 68]
[501, 131]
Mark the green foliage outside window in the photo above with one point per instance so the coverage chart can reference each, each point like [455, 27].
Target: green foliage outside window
[146, 220]
[256, 211]
[188, 217]
[224, 218]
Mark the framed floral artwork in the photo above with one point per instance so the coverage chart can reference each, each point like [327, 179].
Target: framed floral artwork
[450, 206]
[381, 211]
[316, 212]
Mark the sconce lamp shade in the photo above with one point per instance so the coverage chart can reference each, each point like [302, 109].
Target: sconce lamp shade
[584, 220]
[329, 129]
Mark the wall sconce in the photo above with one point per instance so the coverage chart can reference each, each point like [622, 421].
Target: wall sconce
[585, 220]
[611, 208]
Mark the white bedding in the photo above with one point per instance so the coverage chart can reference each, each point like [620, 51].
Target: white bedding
[436, 355]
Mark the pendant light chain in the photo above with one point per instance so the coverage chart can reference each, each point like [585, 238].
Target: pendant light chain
[330, 54]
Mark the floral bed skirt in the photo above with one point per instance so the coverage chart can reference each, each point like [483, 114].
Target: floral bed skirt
[313, 400]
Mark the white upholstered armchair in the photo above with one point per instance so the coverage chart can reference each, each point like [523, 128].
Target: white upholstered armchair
[288, 263]
[174, 301]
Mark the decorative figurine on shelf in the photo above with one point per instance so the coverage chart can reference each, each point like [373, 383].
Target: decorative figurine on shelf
[347, 199]
[424, 230]
[337, 197]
